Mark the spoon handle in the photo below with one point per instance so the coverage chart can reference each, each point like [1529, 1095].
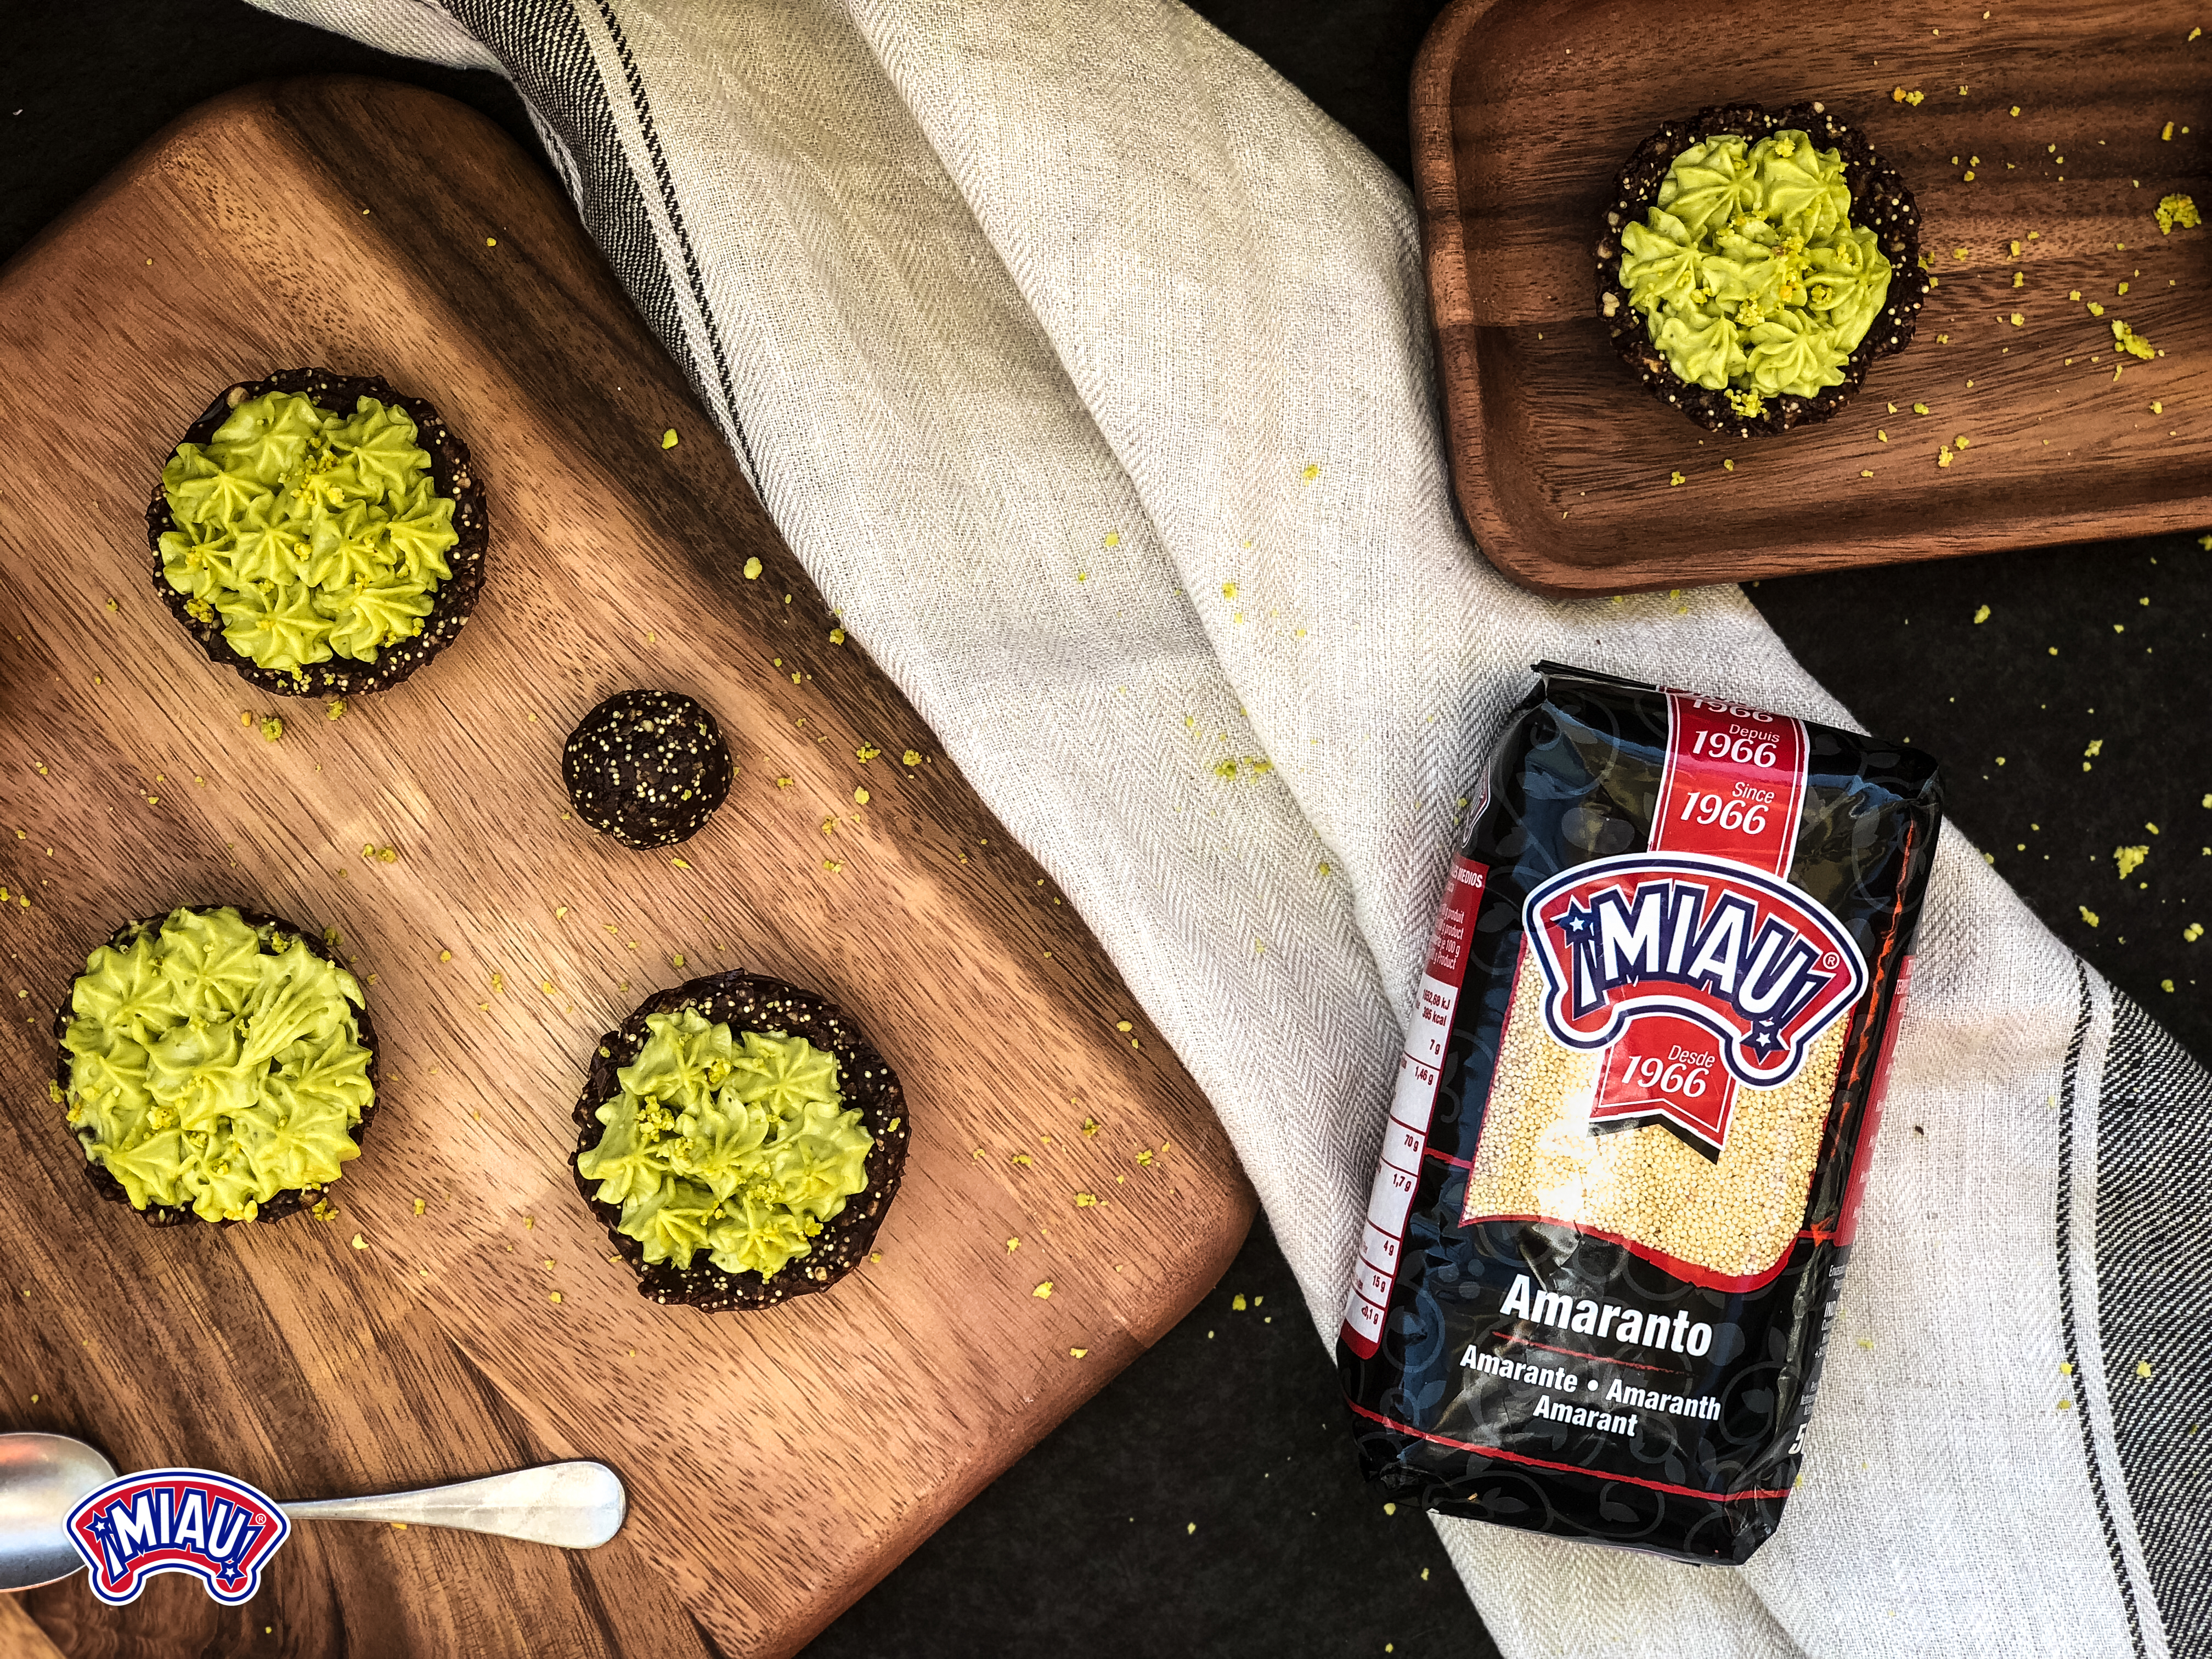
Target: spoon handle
[577, 1506]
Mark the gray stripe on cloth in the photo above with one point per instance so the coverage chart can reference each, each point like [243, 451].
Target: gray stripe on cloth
[2155, 1307]
[2072, 1326]
[541, 46]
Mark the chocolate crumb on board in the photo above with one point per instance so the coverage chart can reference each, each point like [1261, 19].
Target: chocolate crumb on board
[647, 768]
[750, 1002]
[454, 476]
[1880, 201]
[283, 1203]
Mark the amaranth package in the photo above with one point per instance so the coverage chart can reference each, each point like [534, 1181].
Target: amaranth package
[1622, 1169]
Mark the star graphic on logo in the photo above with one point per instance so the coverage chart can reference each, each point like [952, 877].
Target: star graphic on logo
[1578, 922]
[1764, 1042]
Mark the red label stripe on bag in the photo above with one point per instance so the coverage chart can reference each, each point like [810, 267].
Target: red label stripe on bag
[1734, 783]
[1405, 1136]
[1733, 786]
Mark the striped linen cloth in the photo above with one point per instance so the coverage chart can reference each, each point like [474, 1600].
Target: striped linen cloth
[1086, 368]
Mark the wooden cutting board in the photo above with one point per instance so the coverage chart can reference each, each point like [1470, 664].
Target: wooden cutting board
[779, 1463]
[2046, 133]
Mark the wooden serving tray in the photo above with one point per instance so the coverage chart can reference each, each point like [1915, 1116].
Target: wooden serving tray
[778, 1462]
[1523, 113]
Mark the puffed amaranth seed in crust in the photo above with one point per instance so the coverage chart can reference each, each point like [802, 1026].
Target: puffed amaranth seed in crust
[1880, 201]
[748, 1002]
[647, 768]
[454, 476]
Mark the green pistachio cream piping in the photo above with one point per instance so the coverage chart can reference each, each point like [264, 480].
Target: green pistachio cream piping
[736, 1145]
[309, 533]
[215, 1064]
[1749, 273]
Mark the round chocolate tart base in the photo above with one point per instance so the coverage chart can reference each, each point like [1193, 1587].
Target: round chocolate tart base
[1879, 202]
[747, 1002]
[452, 475]
[647, 768]
[281, 1204]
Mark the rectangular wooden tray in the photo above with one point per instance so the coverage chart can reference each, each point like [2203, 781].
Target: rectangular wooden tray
[1523, 113]
[778, 1462]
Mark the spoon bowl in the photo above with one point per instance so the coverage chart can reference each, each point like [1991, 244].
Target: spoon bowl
[42, 1477]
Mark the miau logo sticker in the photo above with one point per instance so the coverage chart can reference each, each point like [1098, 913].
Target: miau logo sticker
[1747, 957]
[218, 1529]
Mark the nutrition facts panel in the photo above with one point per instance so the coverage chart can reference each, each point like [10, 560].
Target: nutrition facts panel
[1405, 1136]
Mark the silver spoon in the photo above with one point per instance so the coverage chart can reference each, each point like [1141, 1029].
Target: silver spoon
[577, 1506]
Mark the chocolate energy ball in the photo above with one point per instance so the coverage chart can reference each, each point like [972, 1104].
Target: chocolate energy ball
[1752, 265]
[740, 1139]
[647, 768]
[320, 533]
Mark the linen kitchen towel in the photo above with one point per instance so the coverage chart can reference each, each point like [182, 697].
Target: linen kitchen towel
[1085, 366]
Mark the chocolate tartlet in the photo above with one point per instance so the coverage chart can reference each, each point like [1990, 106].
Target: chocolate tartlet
[1879, 203]
[647, 768]
[630, 1140]
[453, 478]
[210, 985]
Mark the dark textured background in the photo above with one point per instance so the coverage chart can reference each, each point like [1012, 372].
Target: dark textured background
[1232, 1425]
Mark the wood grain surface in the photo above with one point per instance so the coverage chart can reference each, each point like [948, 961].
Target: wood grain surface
[778, 1462]
[1523, 113]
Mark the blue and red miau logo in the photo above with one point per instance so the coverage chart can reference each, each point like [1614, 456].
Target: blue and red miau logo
[1744, 957]
[220, 1530]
